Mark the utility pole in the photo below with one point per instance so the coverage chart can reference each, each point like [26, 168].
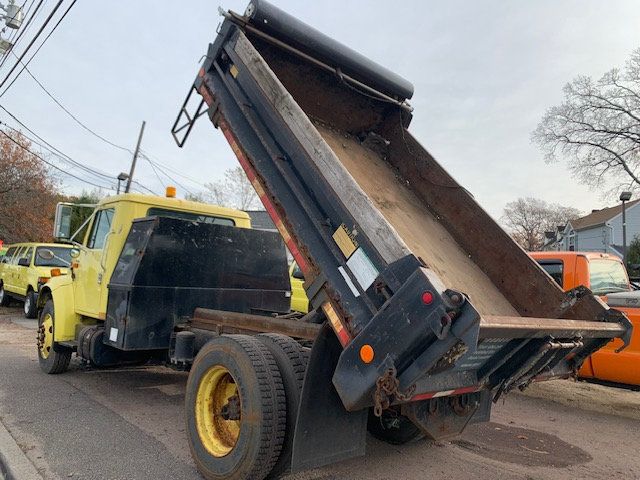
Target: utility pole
[624, 197]
[135, 159]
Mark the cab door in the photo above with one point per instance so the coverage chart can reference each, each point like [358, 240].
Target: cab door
[11, 279]
[23, 264]
[90, 282]
[6, 272]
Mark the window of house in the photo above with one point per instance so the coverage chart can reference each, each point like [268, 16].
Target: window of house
[100, 229]
[555, 269]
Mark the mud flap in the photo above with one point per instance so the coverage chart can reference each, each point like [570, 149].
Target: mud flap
[325, 431]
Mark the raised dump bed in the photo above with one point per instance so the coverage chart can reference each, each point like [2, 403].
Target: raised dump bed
[430, 309]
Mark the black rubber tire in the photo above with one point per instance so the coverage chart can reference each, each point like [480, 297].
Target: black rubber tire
[292, 361]
[30, 305]
[262, 400]
[4, 297]
[392, 427]
[59, 356]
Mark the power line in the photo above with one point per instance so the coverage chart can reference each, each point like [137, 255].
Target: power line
[51, 164]
[33, 40]
[70, 162]
[52, 148]
[41, 45]
[155, 166]
[63, 155]
[76, 119]
[166, 167]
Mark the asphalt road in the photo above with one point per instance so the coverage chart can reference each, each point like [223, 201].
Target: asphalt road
[128, 424]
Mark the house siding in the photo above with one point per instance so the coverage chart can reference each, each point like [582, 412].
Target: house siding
[594, 239]
[633, 225]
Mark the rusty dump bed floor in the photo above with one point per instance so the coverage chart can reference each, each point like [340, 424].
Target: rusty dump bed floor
[415, 224]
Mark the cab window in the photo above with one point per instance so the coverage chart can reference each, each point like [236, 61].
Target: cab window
[100, 228]
[27, 254]
[9, 255]
[554, 269]
[607, 276]
[194, 217]
[17, 256]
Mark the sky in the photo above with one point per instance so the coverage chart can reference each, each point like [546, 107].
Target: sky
[484, 73]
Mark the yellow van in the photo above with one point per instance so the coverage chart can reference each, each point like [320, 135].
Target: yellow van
[24, 269]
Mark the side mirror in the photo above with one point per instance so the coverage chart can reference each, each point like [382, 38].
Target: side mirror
[24, 262]
[62, 222]
[45, 254]
[75, 252]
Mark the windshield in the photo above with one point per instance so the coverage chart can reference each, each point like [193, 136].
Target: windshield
[62, 257]
[608, 276]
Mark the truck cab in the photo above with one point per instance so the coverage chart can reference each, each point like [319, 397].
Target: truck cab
[79, 298]
[606, 277]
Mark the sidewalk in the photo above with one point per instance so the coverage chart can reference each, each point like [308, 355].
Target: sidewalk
[14, 464]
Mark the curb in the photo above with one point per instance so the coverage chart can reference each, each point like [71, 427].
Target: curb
[14, 464]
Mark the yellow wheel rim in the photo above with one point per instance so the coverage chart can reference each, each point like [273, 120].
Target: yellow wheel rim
[218, 431]
[46, 335]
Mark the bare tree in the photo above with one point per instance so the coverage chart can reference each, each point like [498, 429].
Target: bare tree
[527, 220]
[234, 191]
[597, 128]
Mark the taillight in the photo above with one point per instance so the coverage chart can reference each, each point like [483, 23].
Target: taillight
[427, 298]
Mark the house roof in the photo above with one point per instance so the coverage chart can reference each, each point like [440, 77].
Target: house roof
[599, 216]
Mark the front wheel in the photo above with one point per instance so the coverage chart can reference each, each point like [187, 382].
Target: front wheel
[30, 305]
[52, 358]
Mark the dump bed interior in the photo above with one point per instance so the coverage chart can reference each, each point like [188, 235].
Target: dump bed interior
[436, 218]
[416, 224]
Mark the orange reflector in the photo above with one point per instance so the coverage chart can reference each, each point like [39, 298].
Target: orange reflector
[43, 279]
[171, 192]
[366, 353]
[55, 272]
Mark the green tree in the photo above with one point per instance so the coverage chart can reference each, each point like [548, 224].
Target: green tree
[80, 214]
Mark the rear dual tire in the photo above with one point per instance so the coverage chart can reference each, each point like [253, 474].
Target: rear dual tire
[235, 439]
[241, 404]
[392, 427]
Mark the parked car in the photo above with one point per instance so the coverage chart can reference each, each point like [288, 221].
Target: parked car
[26, 267]
[605, 276]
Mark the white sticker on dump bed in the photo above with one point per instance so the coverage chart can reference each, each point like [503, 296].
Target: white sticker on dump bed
[113, 335]
[347, 279]
[362, 268]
